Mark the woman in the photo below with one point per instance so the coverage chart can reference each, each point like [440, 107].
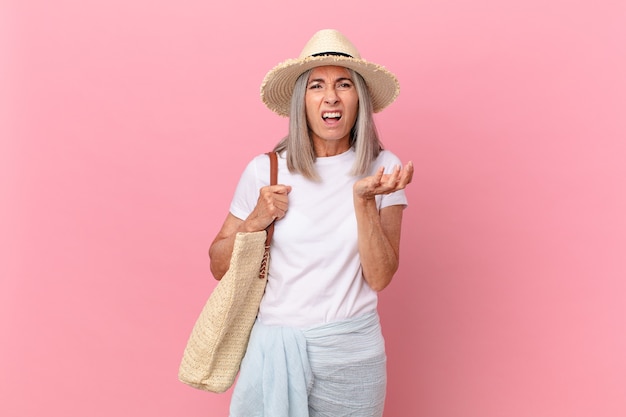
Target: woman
[316, 348]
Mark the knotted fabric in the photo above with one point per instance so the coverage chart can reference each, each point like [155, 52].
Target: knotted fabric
[336, 369]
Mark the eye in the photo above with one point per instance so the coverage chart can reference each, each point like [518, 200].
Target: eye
[315, 86]
[345, 85]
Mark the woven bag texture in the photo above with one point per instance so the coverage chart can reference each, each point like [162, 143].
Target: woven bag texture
[220, 335]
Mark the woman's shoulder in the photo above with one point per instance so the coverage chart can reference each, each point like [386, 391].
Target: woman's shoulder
[387, 157]
[259, 161]
[258, 167]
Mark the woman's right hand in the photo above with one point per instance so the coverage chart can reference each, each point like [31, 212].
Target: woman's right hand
[271, 205]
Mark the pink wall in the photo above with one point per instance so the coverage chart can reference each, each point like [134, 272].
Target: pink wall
[125, 125]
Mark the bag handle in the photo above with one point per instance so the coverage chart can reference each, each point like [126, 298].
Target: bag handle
[270, 228]
[273, 181]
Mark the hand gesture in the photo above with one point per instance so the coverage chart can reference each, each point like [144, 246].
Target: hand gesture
[271, 205]
[380, 183]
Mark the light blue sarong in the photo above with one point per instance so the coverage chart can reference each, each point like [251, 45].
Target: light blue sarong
[335, 370]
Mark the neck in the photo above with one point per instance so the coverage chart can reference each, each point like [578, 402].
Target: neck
[325, 148]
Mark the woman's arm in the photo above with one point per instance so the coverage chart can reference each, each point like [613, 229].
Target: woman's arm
[379, 232]
[271, 205]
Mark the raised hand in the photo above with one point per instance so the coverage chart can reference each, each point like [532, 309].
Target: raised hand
[271, 205]
[380, 183]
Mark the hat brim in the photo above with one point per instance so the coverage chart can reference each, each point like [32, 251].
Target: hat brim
[277, 87]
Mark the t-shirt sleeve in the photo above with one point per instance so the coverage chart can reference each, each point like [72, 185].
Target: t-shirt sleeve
[389, 161]
[254, 176]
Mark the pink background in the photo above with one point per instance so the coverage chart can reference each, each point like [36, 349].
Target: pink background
[125, 125]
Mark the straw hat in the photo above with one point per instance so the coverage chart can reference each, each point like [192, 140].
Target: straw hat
[327, 47]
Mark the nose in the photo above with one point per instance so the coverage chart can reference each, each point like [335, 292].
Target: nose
[331, 96]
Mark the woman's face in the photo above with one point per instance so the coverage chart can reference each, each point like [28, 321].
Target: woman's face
[331, 103]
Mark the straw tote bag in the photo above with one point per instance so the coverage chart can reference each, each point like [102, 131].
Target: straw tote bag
[219, 338]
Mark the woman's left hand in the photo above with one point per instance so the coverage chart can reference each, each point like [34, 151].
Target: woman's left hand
[380, 183]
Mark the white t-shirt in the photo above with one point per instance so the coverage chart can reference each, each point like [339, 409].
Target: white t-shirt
[315, 274]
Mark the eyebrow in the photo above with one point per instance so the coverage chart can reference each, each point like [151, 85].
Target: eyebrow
[336, 81]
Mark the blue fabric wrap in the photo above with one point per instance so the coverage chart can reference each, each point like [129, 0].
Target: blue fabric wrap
[336, 369]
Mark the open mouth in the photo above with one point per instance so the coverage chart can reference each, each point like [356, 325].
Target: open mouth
[331, 116]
